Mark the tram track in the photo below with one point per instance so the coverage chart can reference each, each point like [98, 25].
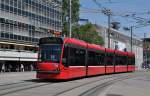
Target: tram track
[14, 85]
[8, 89]
[76, 87]
[100, 87]
[20, 86]
[106, 83]
[6, 84]
[23, 81]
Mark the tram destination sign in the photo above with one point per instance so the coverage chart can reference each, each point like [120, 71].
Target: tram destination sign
[50, 40]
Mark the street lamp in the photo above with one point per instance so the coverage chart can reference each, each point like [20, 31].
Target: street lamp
[108, 12]
[70, 18]
[131, 31]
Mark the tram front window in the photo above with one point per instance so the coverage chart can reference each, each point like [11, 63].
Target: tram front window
[50, 52]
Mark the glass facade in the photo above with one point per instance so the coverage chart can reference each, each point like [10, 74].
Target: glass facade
[28, 20]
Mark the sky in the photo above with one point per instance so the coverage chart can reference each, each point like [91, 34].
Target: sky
[124, 12]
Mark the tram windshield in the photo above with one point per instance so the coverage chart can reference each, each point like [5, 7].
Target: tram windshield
[50, 52]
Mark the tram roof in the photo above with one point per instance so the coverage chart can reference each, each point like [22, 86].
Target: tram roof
[131, 54]
[97, 47]
[75, 41]
[110, 50]
[121, 52]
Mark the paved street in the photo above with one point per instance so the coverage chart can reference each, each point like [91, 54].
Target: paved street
[138, 86]
[126, 84]
[14, 77]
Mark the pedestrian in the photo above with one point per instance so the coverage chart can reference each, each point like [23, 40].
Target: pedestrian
[22, 68]
[31, 67]
[3, 68]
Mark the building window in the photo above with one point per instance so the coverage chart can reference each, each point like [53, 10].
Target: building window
[40, 14]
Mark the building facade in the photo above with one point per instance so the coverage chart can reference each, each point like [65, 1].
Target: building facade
[22, 23]
[146, 53]
[120, 41]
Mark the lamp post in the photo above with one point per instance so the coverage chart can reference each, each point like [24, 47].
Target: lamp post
[108, 12]
[131, 33]
[70, 18]
[109, 30]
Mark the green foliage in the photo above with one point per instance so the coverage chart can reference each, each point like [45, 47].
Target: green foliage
[65, 15]
[88, 33]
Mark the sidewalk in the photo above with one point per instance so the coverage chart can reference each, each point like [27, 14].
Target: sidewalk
[16, 76]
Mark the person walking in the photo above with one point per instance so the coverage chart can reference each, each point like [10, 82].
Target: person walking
[22, 68]
[3, 68]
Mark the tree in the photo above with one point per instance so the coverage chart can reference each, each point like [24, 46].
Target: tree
[88, 33]
[65, 13]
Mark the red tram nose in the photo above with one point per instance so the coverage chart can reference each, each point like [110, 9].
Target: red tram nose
[47, 66]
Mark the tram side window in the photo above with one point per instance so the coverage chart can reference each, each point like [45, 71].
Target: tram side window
[76, 57]
[101, 59]
[120, 60]
[124, 60]
[96, 59]
[109, 59]
[131, 61]
[93, 58]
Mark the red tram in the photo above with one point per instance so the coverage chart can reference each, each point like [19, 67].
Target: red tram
[66, 58]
